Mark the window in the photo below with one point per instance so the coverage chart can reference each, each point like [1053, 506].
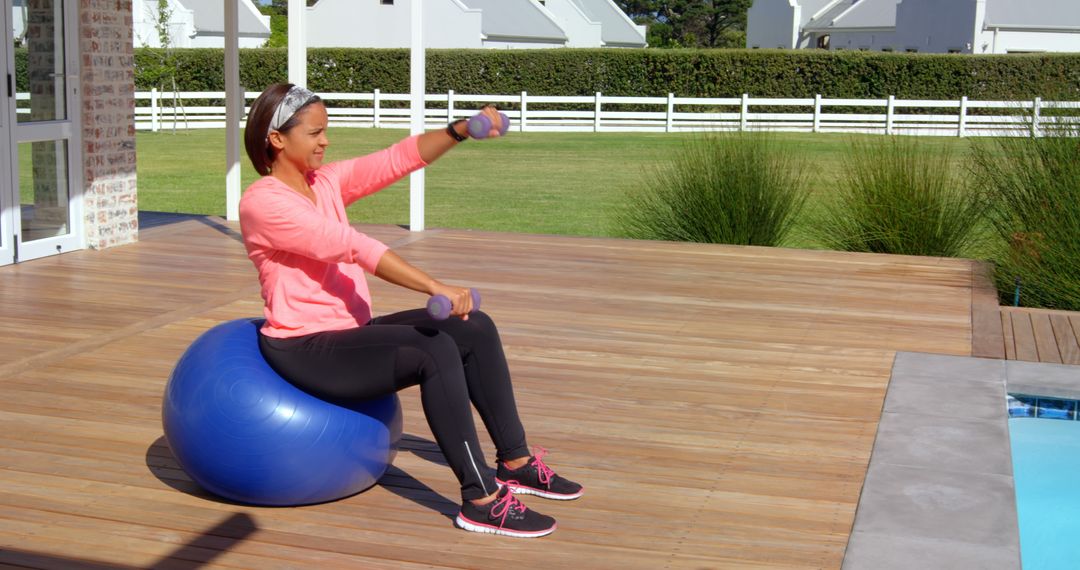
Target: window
[823, 41]
[387, 2]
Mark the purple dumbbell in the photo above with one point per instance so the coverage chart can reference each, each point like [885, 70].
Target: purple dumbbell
[439, 307]
[480, 125]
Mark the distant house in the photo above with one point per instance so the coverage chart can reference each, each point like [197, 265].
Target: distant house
[596, 23]
[931, 26]
[473, 24]
[196, 24]
[18, 21]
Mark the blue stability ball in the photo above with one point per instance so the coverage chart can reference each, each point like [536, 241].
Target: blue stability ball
[243, 432]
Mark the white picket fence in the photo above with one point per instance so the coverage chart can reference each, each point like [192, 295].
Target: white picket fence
[601, 113]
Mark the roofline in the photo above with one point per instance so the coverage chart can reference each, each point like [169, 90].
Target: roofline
[823, 10]
[528, 39]
[626, 19]
[1069, 29]
[867, 29]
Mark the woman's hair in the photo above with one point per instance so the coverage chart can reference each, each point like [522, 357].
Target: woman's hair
[256, 139]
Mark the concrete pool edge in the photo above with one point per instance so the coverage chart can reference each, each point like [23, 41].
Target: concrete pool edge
[939, 489]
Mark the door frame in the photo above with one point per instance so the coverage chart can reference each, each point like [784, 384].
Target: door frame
[8, 181]
[68, 130]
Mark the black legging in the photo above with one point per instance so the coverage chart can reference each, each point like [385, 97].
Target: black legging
[453, 361]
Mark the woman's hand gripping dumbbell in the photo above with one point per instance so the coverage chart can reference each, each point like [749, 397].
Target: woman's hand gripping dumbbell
[440, 307]
[488, 122]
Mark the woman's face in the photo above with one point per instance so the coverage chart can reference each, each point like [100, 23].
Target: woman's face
[304, 145]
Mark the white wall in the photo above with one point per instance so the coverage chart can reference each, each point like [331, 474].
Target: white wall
[580, 30]
[937, 26]
[18, 18]
[447, 24]
[876, 40]
[145, 18]
[214, 40]
[1006, 41]
[773, 24]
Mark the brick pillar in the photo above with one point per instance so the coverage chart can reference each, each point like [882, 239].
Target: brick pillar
[108, 122]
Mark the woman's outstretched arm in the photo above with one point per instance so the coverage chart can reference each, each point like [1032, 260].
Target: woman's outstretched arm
[368, 174]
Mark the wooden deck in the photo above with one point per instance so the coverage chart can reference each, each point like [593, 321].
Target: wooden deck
[719, 403]
[1038, 335]
[1020, 333]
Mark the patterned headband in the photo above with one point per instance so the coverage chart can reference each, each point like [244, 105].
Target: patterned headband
[296, 97]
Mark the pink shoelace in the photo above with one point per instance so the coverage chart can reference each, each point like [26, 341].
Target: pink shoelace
[506, 505]
[545, 473]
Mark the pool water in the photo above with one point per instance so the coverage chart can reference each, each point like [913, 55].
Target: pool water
[1046, 469]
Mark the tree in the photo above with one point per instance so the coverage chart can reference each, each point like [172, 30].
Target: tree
[282, 6]
[279, 26]
[161, 23]
[278, 10]
[690, 23]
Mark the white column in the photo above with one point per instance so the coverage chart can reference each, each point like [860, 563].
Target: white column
[297, 43]
[234, 102]
[417, 80]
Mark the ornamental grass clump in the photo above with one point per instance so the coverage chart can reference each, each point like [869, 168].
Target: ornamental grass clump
[1033, 186]
[723, 187]
[901, 195]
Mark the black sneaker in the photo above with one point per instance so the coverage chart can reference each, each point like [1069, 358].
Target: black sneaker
[506, 516]
[536, 478]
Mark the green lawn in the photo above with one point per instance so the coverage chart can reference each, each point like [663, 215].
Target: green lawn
[556, 183]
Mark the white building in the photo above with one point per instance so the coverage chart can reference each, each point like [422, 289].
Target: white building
[196, 24]
[18, 21]
[596, 23]
[933, 26]
[473, 24]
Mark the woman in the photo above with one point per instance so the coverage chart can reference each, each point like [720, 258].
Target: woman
[320, 334]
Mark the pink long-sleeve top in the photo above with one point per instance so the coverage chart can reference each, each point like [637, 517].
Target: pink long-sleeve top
[311, 263]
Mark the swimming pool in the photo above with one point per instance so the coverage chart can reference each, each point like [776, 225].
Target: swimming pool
[1046, 464]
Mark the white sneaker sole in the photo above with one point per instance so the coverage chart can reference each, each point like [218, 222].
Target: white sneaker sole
[466, 524]
[530, 491]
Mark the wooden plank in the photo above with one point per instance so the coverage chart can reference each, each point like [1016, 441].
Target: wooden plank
[987, 338]
[1074, 320]
[1026, 348]
[1045, 341]
[1007, 334]
[1066, 338]
[765, 367]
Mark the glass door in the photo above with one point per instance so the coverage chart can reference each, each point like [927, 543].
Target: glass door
[7, 118]
[45, 153]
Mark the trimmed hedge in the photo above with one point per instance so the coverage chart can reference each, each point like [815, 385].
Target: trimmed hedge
[640, 72]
